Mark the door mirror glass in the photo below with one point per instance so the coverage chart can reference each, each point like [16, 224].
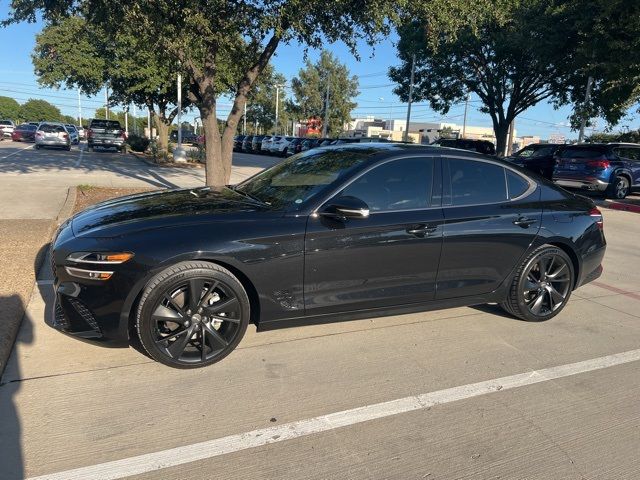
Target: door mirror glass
[346, 207]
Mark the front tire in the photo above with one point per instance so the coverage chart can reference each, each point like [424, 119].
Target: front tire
[192, 314]
[542, 285]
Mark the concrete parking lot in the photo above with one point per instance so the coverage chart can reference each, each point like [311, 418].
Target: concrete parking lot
[383, 398]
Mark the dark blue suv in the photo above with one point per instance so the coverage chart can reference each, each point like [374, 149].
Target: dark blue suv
[610, 168]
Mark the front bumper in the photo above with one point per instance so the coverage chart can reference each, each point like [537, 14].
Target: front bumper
[587, 183]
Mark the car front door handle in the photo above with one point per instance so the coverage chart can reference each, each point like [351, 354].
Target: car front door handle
[421, 230]
[524, 222]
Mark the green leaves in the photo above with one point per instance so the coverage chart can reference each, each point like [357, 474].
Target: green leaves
[9, 109]
[310, 88]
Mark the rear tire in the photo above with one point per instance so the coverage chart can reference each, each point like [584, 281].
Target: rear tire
[541, 286]
[619, 188]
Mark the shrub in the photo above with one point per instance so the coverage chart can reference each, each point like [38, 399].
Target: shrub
[138, 143]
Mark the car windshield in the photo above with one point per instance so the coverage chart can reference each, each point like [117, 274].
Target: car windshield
[45, 127]
[294, 181]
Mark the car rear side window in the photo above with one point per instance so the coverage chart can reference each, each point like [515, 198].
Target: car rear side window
[396, 185]
[582, 153]
[475, 182]
[516, 185]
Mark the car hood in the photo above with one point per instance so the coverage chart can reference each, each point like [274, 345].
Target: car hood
[160, 209]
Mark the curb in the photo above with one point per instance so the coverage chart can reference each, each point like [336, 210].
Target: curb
[65, 212]
[67, 208]
[625, 207]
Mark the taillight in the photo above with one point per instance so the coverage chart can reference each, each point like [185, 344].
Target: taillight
[598, 164]
[65, 135]
[596, 214]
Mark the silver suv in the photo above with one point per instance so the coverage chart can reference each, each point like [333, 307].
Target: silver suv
[6, 127]
[50, 134]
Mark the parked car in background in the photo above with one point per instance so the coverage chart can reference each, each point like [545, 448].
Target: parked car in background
[279, 146]
[256, 144]
[188, 137]
[309, 143]
[480, 146]
[265, 145]
[237, 142]
[295, 146]
[73, 134]
[106, 134]
[81, 132]
[25, 132]
[350, 231]
[6, 128]
[538, 157]
[340, 141]
[612, 169]
[51, 134]
[246, 143]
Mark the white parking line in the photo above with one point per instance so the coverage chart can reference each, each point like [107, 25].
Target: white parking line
[257, 438]
[15, 153]
[77, 164]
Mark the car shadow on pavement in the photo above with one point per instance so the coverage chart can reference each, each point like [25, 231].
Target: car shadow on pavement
[11, 455]
[493, 309]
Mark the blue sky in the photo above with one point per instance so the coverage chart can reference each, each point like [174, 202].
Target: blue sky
[17, 80]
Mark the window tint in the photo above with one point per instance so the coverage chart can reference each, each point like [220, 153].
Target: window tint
[396, 185]
[582, 152]
[630, 153]
[474, 182]
[105, 124]
[516, 184]
[45, 127]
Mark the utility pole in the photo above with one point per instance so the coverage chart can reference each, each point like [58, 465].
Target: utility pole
[464, 123]
[126, 120]
[413, 70]
[244, 120]
[149, 122]
[325, 123]
[79, 109]
[587, 97]
[179, 154]
[135, 119]
[510, 138]
[106, 101]
[278, 87]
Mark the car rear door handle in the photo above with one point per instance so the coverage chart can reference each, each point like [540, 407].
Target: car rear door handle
[524, 222]
[421, 230]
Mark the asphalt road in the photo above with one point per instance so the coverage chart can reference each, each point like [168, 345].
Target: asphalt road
[34, 182]
[382, 398]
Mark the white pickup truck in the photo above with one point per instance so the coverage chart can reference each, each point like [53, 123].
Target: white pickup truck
[7, 126]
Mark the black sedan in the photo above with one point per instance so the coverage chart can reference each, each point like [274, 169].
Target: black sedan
[335, 233]
[538, 157]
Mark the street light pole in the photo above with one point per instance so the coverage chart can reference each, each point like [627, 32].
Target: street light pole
[275, 129]
[325, 123]
[413, 70]
[79, 109]
[179, 110]
[587, 97]
[106, 102]
[464, 123]
[244, 120]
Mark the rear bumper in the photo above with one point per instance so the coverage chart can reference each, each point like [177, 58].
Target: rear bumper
[587, 183]
[52, 143]
[591, 267]
[104, 142]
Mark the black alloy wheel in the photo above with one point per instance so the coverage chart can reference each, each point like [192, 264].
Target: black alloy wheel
[620, 187]
[542, 286]
[192, 314]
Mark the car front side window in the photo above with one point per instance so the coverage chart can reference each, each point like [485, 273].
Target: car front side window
[403, 184]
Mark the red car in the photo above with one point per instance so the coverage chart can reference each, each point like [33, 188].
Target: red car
[24, 133]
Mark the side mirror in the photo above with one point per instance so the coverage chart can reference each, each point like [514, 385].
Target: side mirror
[345, 207]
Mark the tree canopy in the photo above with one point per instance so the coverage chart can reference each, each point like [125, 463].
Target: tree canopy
[9, 109]
[261, 102]
[310, 91]
[521, 53]
[35, 110]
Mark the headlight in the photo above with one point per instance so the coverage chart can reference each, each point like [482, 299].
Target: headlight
[112, 258]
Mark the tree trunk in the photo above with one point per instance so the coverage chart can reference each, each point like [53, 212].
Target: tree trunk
[163, 134]
[217, 162]
[501, 130]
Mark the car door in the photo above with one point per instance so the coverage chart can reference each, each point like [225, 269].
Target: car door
[634, 165]
[389, 258]
[491, 216]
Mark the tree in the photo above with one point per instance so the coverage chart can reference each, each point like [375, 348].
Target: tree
[78, 54]
[311, 86]
[39, 110]
[223, 46]
[508, 64]
[9, 109]
[261, 102]
[519, 53]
